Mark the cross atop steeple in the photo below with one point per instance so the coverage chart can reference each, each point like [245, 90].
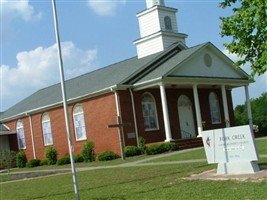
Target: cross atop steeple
[151, 3]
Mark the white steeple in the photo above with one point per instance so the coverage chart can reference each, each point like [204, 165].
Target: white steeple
[151, 3]
[158, 28]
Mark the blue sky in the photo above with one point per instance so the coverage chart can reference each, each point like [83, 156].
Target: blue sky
[94, 33]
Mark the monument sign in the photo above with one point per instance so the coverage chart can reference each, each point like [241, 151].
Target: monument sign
[232, 148]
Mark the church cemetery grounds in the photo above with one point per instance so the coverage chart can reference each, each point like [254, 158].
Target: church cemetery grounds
[151, 180]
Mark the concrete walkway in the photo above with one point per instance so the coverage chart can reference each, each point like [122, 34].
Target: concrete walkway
[147, 162]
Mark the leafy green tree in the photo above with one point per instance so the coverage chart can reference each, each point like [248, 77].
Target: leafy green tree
[240, 115]
[259, 113]
[247, 26]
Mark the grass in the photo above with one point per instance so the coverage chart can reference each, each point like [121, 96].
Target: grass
[150, 182]
[146, 182]
[200, 153]
[262, 145]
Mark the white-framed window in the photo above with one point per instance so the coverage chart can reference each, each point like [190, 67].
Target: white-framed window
[149, 112]
[47, 131]
[79, 123]
[214, 108]
[21, 135]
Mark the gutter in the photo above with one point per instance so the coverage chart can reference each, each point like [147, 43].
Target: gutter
[59, 104]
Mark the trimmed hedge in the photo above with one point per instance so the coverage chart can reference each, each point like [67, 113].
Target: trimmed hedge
[78, 158]
[33, 163]
[7, 159]
[64, 160]
[132, 151]
[44, 162]
[169, 146]
[107, 155]
[161, 148]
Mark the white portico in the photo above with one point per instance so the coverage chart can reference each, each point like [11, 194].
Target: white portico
[196, 69]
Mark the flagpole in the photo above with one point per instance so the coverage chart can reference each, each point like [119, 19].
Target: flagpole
[65, 104]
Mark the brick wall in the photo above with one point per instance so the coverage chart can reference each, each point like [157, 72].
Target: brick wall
[100, 111]
[172, 95]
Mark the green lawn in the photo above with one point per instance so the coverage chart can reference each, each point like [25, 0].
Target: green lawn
[200, 153]
[150, 182]
[141, 182]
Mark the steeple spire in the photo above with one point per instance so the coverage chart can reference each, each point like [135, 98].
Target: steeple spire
[151, 3]
[158, 28]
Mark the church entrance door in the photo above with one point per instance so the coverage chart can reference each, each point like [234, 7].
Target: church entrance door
[186, 118]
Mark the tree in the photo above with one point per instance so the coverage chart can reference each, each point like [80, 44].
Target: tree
[259, 113]
[248, 28]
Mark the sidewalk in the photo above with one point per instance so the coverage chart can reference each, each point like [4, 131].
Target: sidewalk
[211, 175]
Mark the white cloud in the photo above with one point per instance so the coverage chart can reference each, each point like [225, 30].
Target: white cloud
[38, 68]
[255, 89]
[12, 11]
[105, 7]
[19, 8]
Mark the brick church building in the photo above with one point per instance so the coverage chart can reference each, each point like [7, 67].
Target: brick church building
[168, 92]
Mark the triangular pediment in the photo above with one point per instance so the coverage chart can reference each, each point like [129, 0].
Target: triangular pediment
[208, 62]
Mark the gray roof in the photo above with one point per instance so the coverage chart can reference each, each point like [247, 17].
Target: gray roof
[163, 68]
[4, 130]
[125, 73]
[85, 84]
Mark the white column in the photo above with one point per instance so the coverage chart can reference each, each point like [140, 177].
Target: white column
[225, 107]
[250, 120]
[198, 112]
[165, 114]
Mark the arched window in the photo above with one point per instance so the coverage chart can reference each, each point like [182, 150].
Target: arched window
[149, 112]
[214, 108]
[21, 135]
[47, 131]
[168, 23]
[79, 123]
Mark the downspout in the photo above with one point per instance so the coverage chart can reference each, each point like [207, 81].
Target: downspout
[116, 101]
[120, 132]
[134, 116]
[31, 129]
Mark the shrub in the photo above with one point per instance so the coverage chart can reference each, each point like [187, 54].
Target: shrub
[44, 162]
[33, 163]
[142, 144]
[168, 146]
[21, 159]
[87, 151]
[132, 151]
[51, 155]
[107, 155]
[78, 158]
[153, 149]
[64, 160]
[7, 159]
[161, 148]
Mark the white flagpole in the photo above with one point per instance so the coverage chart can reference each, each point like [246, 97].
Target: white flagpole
[65, 105]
